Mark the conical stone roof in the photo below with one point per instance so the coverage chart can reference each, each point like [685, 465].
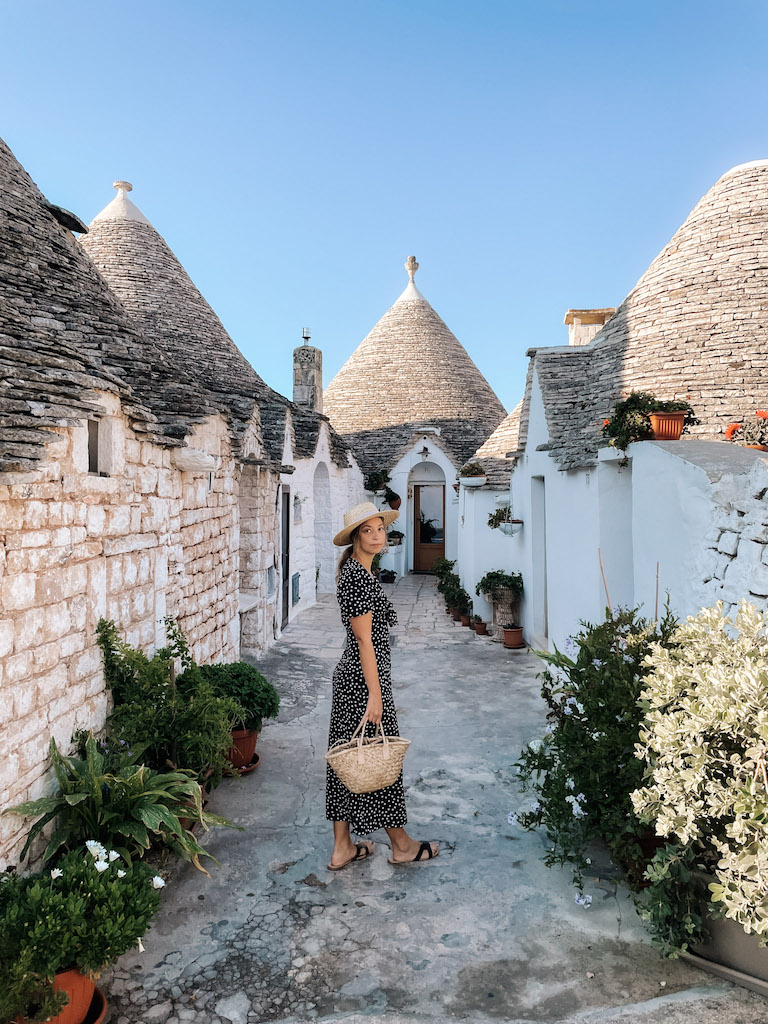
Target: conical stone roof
[694, 327]
[408, 373]
[64, 336]
[143, 271]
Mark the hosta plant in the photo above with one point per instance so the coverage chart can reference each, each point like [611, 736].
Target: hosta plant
[125, 808]
[583, 770]
[704, 742]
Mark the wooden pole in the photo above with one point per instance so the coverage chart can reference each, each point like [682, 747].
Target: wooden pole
[656, 612]
[605, 582]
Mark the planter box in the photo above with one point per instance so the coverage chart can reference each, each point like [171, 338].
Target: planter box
[732, 954]
[472, 481]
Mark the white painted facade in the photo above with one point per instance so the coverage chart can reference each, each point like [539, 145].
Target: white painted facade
[696, 508]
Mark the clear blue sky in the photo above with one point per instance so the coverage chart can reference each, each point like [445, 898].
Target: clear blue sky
[532, 155]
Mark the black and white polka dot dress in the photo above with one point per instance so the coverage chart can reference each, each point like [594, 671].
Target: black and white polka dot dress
[357, 593]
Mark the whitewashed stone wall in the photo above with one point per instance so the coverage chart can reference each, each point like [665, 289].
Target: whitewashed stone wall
[145, 541]
[259, 556]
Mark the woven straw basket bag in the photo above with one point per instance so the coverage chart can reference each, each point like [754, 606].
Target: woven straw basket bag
[367, 763]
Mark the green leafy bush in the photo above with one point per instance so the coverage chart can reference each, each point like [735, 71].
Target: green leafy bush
[704, 741]
[181, 723]
[584, 769]
[472, 469]
[25, 995]
[125, 809]
[630, 420]
[376, 480]
[496, 580]
[503, 514]
[441, 567]
[247, 687]
[84, 913]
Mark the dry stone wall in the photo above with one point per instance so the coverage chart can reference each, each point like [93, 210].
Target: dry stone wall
[146, 541]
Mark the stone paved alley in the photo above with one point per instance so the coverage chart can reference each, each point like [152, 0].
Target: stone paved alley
[485, 932]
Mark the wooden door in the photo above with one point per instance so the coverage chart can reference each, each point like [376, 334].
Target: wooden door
[428, 525]
[285, 561]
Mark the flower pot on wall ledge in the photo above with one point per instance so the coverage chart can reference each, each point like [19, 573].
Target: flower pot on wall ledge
[667, 426]
[511, 527]
[472, 481]
[759, 447]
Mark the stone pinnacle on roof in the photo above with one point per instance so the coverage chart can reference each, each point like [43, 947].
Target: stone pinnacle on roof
[409, 370]
[121, 207]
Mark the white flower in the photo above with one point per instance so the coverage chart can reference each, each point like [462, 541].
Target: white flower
[567, 709]
[57, 873]
[158, 882]
[113, 855]
[535, 746]
[120, 874]
[588, 860]
[101, 865]
[569, 783]
[141, 945]
[95, 849]
[512, 818]
[535, 807]
[584, 901]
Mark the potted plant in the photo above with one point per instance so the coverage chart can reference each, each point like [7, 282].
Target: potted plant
[387, 575]
[105, 796]
[395, 538]
[513, 635]
[258, 698]
[180, 721]
[64, 925]
[503, 589]
[462, 602]
[479, 626]
[376, 480]
[641, 417]
[751, 433]
[703, 741]
[472, 474]
[501, 519]
[392, 499]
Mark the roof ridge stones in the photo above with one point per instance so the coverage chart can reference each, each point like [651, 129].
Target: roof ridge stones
[410, 371]
[693, 326]
[143, 271]
[65, 336]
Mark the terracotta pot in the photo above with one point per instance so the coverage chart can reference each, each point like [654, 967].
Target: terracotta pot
[760, 447]
[191, 823]
[480, 628]
[395, 503]
[465, 621]
[80, 990]
[514, 637]
[243, 746]
[667, 426]
[456, 615]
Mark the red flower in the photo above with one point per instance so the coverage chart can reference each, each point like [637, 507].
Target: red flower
[732, 429]
[606, 422]
[762, 414]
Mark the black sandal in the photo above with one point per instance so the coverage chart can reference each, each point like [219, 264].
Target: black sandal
[419, 858]
[362, 852]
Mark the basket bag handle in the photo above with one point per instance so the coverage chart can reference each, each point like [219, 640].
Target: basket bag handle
[361, 729]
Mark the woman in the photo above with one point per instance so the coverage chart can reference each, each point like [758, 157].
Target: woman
[362, 686]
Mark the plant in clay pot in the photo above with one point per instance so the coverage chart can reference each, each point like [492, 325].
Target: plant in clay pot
[631, 419]
[479, 626]
[513, 635]
[257, 697]
[62, 927]
[376, 480]
[392, 499]
[750, 433]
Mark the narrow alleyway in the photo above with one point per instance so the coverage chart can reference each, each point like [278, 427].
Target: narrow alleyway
[485, 932]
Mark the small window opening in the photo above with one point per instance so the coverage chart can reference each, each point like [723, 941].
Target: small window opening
[210, 481]
[270, 581]
[93, 446]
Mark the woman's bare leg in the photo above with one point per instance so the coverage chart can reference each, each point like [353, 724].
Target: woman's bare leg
[343, 847]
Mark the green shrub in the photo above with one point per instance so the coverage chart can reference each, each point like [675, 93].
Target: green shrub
[704, 741]
[472, 469]
[85, 913]
[180, 723]
[125, 809]
[376, 480]
[247, 686]
[496, 580]
[441, 567]
[584, 769]
[630, 420]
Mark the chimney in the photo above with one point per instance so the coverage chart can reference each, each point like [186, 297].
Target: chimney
[308, 375]
[584, 324]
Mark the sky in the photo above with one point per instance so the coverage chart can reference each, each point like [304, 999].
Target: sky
[534, 156]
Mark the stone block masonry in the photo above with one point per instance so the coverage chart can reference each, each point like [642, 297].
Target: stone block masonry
[151, 542]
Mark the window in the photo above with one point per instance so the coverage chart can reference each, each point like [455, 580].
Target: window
[93, 446]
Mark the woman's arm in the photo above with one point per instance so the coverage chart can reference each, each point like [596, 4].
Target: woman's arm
[361, 627]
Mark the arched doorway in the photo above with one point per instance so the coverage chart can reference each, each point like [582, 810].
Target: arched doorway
[324, 558]
[427, 484]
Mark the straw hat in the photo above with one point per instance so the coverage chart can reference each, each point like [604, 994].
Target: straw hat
[357, 515]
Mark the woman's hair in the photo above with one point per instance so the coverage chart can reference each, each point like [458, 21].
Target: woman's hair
[349, 551]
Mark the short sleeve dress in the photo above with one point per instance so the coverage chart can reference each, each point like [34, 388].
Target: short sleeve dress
[358, 592]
